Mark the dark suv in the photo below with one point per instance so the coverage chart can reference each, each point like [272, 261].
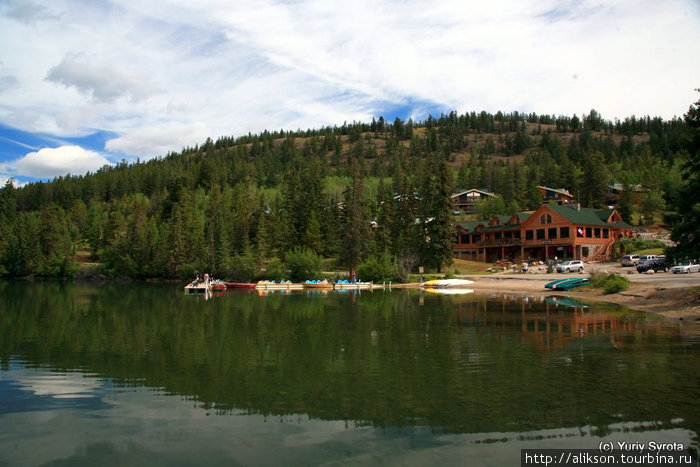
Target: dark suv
[658, 264]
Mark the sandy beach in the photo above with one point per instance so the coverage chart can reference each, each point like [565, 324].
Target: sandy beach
[668, 298]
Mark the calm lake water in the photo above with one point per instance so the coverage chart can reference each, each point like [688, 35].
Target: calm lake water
[140, 374]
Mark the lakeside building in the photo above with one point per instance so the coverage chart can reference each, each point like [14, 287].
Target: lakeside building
[464, 201]
[552, 231]
[557, 195]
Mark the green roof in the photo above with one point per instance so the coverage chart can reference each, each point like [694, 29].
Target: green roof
[582, 216]
[586, 216]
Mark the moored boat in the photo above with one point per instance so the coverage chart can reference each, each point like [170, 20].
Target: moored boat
[240, 285]
[442, 283]
[553, 284]
[218, 284]
[572, 283]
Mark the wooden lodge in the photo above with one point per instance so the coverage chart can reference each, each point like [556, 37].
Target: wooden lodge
[557, 195]
[552, 231]
[464, 201]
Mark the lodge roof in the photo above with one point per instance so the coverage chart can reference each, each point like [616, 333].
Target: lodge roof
[573, 213]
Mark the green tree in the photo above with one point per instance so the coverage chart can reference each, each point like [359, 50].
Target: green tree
[436, 206]
[685, 232]
[594, 190]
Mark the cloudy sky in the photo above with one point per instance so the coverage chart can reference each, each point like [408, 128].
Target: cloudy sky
[84, 83]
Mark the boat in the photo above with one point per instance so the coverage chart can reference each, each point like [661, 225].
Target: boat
[347, 285]
[217, 284]
[240, 285]
[283, 285]
[571, 283]
[443, 283]
[552, 285]
[314, 284]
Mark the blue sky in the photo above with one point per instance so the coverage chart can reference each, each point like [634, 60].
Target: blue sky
[84, 83]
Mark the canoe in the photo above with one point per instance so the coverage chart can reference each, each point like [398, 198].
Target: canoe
[571, 283]
[551, 285]
[442, 283]
[240, 285]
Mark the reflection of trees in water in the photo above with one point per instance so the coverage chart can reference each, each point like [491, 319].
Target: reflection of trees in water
[384, 358]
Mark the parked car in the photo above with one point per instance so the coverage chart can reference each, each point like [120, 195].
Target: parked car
[630, 260]
[569, 266]
[656, 264]
[686, 268]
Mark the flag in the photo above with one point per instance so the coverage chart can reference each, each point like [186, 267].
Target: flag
[580, 232]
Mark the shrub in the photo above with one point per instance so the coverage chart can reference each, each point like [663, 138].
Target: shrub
[275, 270]
[376, 269]
[303, 264]
[610, 283]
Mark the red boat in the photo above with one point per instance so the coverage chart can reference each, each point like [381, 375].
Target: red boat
[218, 285]
[240, 285]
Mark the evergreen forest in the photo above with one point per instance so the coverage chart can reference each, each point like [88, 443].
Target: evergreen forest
[372, 197]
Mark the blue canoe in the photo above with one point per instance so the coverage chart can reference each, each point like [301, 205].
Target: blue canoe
[571, 283]
[553, 284]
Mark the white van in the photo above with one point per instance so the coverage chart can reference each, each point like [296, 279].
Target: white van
[630, 260]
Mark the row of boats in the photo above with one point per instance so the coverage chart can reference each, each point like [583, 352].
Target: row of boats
[205, 284]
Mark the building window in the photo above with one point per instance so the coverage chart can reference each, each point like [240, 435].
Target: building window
[552, 233]
[589, 232]
[540, 234]
[476, 238]
[549, 219]
[516, 234]
[497, 236]
[564, 232]
[528, 235]
[596, 232]
[606, 233]
[464, 238]
[542, 219]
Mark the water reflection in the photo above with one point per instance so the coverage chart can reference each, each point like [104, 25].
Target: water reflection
[482, 368]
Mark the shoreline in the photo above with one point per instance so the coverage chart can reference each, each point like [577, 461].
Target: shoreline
[678, 301]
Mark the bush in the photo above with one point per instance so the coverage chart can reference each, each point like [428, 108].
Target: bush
[376, 269]
[303, 264]
[276, 270]
[244, 268]
[610, 283]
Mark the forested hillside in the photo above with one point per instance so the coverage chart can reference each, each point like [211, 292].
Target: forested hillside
[365, 193]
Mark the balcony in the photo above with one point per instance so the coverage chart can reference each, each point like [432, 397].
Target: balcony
[500, 242]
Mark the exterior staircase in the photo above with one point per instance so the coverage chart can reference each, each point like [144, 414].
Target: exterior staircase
[604, 252]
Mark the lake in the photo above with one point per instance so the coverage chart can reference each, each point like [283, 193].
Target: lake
[140, 374]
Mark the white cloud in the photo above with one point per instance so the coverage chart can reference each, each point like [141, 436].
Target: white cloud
[102, 81]
[163, 75]
[55, 162]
